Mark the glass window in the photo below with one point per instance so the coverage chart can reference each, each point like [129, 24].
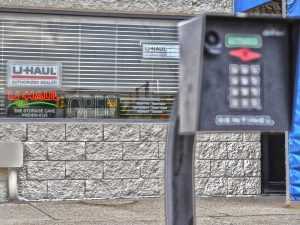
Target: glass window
[75, 68]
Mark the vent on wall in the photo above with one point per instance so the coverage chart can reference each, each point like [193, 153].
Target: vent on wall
[97, 57]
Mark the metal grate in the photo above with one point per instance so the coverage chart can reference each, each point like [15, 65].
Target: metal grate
[96, 57]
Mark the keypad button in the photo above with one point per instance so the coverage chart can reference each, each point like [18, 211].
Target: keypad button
[255, 91]
[234, 103]
[255, 80]
[234, 69]
[245, 69]
[255, 103]
[245, 92]
[255, 69]
[234, 91]
[234, 80]
[244, 80]
[245, 103]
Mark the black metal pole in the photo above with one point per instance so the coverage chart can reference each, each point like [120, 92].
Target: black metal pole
[179, 185]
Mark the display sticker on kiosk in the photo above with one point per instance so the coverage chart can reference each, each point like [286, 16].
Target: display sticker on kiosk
[29, 74]
[243, 41]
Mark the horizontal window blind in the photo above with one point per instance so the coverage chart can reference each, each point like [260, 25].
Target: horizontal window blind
[96, 57]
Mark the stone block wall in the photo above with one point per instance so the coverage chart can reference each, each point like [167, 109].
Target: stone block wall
[228, 164]
[175, 7]
[90, 160]
[125, 160]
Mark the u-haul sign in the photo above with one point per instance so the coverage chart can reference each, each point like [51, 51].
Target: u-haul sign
[160, 51]
[23, 74]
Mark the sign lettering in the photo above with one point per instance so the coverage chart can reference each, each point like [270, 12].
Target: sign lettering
[35, 75]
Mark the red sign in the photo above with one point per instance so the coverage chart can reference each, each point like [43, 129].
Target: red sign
[32, 95]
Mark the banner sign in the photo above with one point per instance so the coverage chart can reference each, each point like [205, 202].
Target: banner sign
[244, 5]
[160, 51]
[293, 8]
[33, 104]
[25, 74]
[31, 95]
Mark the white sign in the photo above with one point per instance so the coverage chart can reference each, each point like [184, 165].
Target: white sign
[23, 74]
[159, 51]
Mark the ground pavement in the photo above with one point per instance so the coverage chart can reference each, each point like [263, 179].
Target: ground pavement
[210, 211]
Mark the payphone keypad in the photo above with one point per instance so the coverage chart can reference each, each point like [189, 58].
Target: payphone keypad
[244, 92]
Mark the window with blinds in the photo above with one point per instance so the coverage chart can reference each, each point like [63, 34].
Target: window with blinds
[87, 68]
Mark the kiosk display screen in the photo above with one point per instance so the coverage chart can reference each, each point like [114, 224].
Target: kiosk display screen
[242, 40]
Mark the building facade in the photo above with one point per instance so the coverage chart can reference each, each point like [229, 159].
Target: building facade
[71, 158]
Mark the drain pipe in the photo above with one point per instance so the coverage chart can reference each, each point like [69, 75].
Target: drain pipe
[11, 157]
[12, 184]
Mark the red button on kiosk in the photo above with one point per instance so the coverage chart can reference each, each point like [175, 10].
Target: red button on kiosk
[245, 54]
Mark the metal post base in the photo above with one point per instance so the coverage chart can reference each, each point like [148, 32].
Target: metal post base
[179, 185]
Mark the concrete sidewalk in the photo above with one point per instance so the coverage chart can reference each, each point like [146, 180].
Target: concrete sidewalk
[212, 211]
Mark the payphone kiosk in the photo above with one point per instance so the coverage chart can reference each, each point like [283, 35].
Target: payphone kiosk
[236, 75]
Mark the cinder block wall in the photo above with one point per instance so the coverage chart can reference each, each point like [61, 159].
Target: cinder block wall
[181, 7]
[89, 160]
[125, 160]
[228, 164]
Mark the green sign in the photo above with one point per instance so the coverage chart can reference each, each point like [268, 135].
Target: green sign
[243, 41]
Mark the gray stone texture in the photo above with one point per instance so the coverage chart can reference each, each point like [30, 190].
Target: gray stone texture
[22, 172]
[45, 170]
[200, 184]
[181, 7]
[234, 164]
[219, 137]
[12, 132]
[105, 188]
[252, 136]
[211, 150]
[161, 150]
[83, 170]
[153, 132]
[121, 169]
[65, 189]
[66, 150]
[104, 150]
[35, 151]
[236, 186]
[33, 190]
[252, 185]
[202, 168]
[117, 188]
[243, 150]
[152, 169]
[140, 150]
[218, 168]
[252, 168]
[211, 186]
[234, 168]
[127, 160]
[149, 187]
[223, 6]
[121, 132]
[46, 132]
[84, 132]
